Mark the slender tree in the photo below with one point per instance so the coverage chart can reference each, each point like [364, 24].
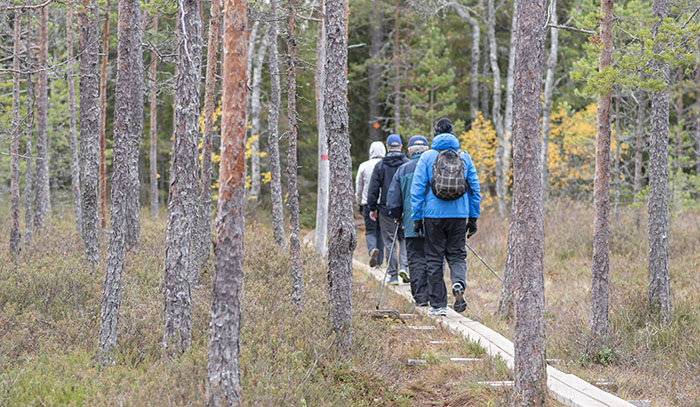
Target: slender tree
[182, 208]
[223, 370]
[341, 238]
[126, 132]
[528, 234]
[397, 70]
[510, 83]
[89, 127]
[272, 133]
[255, 119]
[321, 231]
[697, 119]
[133, 212]
[29, 173]
[598, 321]
[75, 157]
[42, 203]
[153, 127]
[292, 166]
[496, 116]
[376, 38]
[103, 121]
[659, 289]
[548, 92]
[15, 235]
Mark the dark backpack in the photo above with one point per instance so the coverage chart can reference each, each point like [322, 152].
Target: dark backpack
[448, 182]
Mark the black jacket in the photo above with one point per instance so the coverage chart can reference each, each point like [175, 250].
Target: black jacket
[381, 180]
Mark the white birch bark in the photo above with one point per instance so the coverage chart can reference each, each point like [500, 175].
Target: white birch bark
[323, 168]
[256, 128]
[547, 107]
[75, 157]
[496, 116]
[273, 131]
[510, 82]
[42, 203]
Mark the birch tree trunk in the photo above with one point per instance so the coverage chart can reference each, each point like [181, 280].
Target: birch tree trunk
[484, 98]
[341, 239]
[103, 121]
[153, 128]
[89, 127]
[496, 118]
[292, 166]
[697, 119]
[510, 82]
[600, 266]
[223, 371]
[547, 107]
[528, 239]
[75, 157]
[272, 133]
[639, 146]
[126, 132]
[321, 231]
[182, 208]
[659, 290]
[376, 38]
[15, 235]
[42, 204]
[397, 70]
[255, 120]
[29, 173]
[204, 215]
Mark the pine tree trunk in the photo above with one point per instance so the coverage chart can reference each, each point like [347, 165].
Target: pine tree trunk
[659, 290]
[89, 127]
[103, 121]
[182, 208]
[600, 267]
[497, 119]
[29, 172]
[75, 157]
[126, 133]
[204, 215]
[376, 38]
[153, 128]
[42, 204]
[397, 71]
[528, 239]
[223, 371]
[273, 133]
[321, 231]
[505, 303]
[256, 128]
[341, 239]
[510, 82]
[15, 235]
[292, 166]
[547, 107]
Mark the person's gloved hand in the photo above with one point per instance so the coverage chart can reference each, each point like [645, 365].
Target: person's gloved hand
[418, 227]
[471, 227]
[397, 220]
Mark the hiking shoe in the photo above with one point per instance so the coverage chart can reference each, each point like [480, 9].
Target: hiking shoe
[373, 257]
[422, 304]
[458, 291]
[393, 280]
[404, 276]
[442, 311]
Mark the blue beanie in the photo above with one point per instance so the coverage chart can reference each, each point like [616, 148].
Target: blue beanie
[394, 140]
[418, 140]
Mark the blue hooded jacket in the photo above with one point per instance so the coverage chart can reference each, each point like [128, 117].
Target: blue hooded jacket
[399, 199]
[426, 205]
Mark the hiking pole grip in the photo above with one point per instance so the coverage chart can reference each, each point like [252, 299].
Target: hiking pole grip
[482, 260]
[386, 270]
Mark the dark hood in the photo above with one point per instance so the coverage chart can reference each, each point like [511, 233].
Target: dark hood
[394, 159]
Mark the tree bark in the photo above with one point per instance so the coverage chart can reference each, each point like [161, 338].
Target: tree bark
[376, 38]
[126, 133]
[510, 82]
[182, 208]
[484, 98]
[528, 239]
[697, 119]
[204, 215]
[75, 157]
[600, 266]
[15, 235]
[42, 204]
[505, 303]
[321, 231]
[659, 290]
[89, 127]
[256, 128]
[547, 107]
[153, 128]
[273, 131]
[103, 121]
[496, 118]
[223, 371]
[397, 70]
[292, 166]
[29, 173]
[342, 239]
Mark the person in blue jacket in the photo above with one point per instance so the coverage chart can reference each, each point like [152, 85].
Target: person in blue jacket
[399, 204]
[445, 223]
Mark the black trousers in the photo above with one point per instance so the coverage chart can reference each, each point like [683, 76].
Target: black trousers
[415, 248]
[444, 239]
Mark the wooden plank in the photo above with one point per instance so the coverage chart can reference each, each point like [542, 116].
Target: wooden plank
[465, 360]
[505, 383]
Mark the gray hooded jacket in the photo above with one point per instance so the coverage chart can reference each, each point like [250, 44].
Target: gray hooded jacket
[377, 151]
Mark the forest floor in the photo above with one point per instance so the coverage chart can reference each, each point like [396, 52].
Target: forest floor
[49, 318]
[646, 359]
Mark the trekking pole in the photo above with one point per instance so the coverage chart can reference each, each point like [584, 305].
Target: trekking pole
[386, 270]
[482, 260]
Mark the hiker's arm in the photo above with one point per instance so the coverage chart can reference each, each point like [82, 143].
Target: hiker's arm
[359, 184]
[393, 198]
[420, 181]
[374, 184]
[473, 179]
